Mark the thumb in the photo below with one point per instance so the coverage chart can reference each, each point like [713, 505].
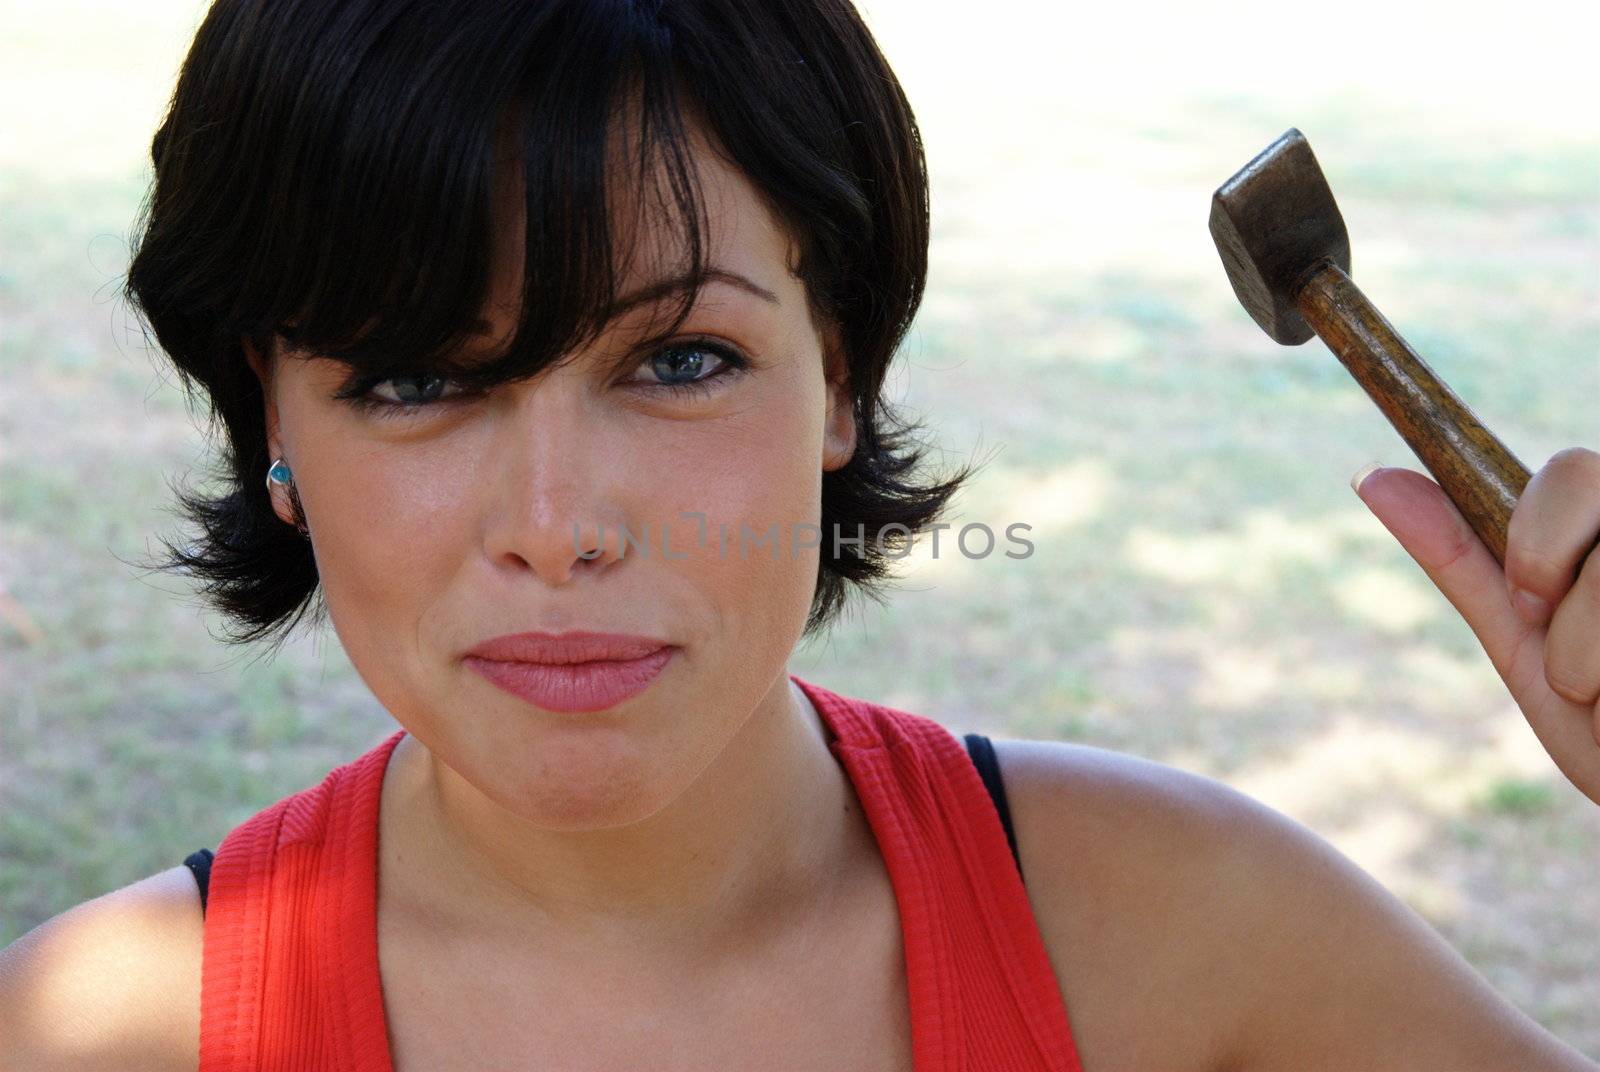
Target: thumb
[1418, 513]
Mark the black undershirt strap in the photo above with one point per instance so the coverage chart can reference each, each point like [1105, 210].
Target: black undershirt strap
[981, 749]
[199, 862]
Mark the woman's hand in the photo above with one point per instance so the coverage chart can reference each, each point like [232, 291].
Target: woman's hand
[1549, 655]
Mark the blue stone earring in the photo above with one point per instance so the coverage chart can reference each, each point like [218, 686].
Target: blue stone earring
[279, 473]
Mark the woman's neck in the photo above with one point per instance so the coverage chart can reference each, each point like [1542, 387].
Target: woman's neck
[767, 830]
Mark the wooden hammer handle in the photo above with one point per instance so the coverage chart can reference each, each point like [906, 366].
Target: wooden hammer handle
[1475, 469]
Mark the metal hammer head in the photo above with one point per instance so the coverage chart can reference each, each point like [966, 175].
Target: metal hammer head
[1274, 222]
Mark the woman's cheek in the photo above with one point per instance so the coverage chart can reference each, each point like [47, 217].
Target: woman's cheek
[756, 494]
[389, 527]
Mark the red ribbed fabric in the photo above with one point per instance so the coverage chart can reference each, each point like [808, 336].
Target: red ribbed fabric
[290, 983]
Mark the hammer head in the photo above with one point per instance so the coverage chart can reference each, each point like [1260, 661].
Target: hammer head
[1274, 223]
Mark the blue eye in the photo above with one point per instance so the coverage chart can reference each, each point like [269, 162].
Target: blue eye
[406, 394]
[681, 364]
[419, 390]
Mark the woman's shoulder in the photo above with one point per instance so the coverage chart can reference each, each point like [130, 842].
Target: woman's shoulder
[113, 982]
[1194, 927]
[1127, 872]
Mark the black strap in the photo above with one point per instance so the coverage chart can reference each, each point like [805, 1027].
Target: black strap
[981, 749]
[199, 862]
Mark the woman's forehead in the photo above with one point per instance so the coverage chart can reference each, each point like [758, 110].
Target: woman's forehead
[743, 240]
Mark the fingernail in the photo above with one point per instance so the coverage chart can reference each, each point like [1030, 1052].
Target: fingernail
[1362, 474]
[1530, 607]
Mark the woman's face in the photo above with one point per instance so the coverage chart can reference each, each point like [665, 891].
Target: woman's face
[438, 528]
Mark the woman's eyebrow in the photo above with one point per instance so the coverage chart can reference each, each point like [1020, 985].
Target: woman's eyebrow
[663, 288]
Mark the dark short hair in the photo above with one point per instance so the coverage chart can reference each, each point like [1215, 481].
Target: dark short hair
[324, 175]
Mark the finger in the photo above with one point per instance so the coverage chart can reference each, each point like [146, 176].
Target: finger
[1572, 644]
[1552, 530]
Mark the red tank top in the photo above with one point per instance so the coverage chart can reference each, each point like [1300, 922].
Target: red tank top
[289, 977]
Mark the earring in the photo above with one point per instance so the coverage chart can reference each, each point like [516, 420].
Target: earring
[279, 473]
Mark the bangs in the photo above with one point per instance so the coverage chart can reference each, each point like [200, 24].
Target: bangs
[379, 246]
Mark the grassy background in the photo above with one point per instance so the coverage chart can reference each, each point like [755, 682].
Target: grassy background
[1205, 590]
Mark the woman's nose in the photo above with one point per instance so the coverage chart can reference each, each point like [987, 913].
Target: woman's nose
[553, 505]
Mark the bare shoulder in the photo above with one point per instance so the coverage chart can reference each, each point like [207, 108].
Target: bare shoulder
[1193, 927]
[111, 983]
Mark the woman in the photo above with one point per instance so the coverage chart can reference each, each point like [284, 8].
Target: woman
[476, 291]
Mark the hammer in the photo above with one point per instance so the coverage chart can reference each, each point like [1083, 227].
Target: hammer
[1287, 254]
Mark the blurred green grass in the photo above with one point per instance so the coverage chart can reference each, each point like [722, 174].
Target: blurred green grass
[1205, 591]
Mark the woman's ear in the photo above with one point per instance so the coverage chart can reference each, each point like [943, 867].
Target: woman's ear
[839, 426]
[262, 366]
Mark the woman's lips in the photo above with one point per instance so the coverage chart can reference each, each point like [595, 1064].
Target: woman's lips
[579, 686]
[579, 646]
